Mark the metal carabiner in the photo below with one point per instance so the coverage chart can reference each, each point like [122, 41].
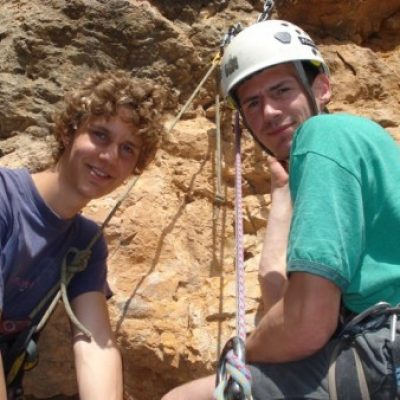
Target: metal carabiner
[232, 32]
[268, 5]
[233, 390]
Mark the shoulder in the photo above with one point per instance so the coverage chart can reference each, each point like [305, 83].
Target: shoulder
[86, 231]
[339, 119]
[13, 184]
[341, 125]
[13, 177]
[329, 134]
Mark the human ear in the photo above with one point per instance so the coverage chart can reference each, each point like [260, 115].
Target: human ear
[322, 90]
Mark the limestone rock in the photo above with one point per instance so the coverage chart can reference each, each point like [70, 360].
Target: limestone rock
[172, 246]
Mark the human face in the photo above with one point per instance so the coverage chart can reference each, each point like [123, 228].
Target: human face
[102, 154]
[274, 105]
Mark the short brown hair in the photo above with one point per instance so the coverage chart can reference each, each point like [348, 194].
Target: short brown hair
[101, 94]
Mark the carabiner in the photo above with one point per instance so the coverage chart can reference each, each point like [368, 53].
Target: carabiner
[233, 391]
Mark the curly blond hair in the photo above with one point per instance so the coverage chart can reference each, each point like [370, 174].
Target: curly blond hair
[100, 95]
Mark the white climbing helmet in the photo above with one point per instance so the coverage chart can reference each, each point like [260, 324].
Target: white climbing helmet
[263, 45]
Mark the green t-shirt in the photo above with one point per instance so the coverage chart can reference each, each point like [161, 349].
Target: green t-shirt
[345, 188]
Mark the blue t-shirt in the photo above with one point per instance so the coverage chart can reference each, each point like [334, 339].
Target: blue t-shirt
[345, 188]
[33, 242]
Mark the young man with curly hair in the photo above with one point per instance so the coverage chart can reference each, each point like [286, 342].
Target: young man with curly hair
[108, 130]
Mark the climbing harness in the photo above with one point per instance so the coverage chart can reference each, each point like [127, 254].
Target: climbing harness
[372, 319]
[19, 352]
[233, 377]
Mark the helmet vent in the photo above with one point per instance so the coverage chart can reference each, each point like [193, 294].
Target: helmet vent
[283, 37]
[231, 66]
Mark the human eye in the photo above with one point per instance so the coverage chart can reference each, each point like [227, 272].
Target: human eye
[251, 104]
[98, 135]
[129, 150]
[282, 91]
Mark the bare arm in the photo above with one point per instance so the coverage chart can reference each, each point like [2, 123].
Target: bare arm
[3, 390]
[299, 324]
[272, 269]
[98, 362]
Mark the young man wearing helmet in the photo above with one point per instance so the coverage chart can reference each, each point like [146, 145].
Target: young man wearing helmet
[335, 195]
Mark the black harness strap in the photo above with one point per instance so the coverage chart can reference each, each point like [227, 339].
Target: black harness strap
[349, 361]
[346, 365]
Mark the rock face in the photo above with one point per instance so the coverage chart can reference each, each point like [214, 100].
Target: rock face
[172, 245]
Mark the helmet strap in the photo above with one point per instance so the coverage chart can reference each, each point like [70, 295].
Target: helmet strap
[307, 87]
[309, 94]
[262, 145]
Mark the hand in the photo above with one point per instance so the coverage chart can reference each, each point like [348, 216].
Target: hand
[279, 172]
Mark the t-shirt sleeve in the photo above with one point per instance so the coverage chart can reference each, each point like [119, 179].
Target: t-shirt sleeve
[94, 277]
[3, 233]
[327, 230]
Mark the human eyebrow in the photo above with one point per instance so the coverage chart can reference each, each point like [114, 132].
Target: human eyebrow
[249, 100]
[281, 84]
[133, 144]
[99, 127]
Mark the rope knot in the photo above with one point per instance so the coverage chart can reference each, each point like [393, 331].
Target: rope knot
[76, 260]
[233, 378]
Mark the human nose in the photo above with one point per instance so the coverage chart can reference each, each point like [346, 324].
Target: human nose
[270, 109]
[110, 153]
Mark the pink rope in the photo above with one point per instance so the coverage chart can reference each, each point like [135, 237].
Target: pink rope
[240, 275]
[234, 360]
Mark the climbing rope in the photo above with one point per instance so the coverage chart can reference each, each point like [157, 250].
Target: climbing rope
[240, 273]
[219, 197]
[75, 261]
[214, 64]
[233, 377]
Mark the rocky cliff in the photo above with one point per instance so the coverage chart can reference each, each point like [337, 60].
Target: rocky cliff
[172, 243]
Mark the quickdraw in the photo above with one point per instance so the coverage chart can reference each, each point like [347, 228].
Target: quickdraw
[266, 14]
